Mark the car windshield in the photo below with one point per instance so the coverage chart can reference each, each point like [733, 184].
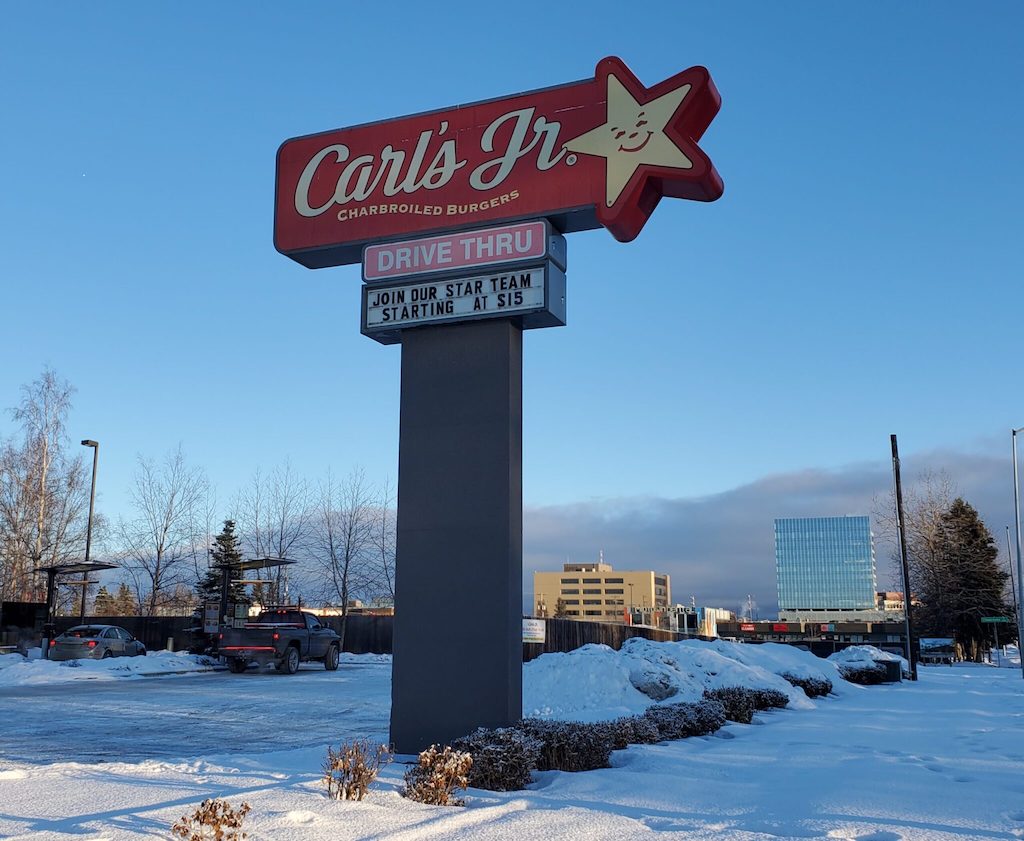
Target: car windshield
[83, 632]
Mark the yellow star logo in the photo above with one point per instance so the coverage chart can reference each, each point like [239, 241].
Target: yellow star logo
[633, 136]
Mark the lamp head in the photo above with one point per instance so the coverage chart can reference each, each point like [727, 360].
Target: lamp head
[88, 443]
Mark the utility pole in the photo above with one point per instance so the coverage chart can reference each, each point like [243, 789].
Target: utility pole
[1013, 587]
[901, 527]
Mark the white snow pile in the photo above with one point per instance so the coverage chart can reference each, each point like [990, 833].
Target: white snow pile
[606, 684]
[865, 656]
[16, 670]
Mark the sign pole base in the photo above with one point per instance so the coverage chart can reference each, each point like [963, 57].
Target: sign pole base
[458, 601]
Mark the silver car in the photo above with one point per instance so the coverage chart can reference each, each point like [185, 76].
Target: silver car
[94, 642]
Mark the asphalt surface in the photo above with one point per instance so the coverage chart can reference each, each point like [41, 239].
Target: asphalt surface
[184, 717]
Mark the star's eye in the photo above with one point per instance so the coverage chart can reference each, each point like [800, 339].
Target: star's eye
[619, 134]
[641, 123]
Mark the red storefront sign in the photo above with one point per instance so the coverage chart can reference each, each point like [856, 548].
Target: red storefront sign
[780, 626]
[746, 627]
[601, 151]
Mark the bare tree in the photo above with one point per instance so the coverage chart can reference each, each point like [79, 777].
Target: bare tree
[43, 490]
[343, 542]
[159, 545]
[274, 520]
[384, 537]
[924, 503]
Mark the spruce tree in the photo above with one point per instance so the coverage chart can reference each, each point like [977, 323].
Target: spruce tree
[225, 550]
[104, 604]
[964, 582]
[124, 601]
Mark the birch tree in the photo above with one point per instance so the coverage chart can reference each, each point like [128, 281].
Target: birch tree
[44, 491]
[274, 520]
[158, 546]
[343, 545]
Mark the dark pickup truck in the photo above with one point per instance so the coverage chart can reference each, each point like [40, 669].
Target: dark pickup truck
[284, 637]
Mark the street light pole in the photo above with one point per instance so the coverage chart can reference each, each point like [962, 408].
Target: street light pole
[630, 604]
[88, 529]
[1016, 521]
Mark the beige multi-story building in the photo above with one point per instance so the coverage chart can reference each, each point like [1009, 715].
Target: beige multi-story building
[599, 593]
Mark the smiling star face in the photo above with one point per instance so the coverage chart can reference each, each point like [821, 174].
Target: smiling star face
[633, 135]
[635, 140]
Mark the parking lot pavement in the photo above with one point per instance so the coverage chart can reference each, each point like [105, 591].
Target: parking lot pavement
[190, 716]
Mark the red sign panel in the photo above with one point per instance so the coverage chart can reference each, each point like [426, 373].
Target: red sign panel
[746, 627]
[780, 626]
[602, 151]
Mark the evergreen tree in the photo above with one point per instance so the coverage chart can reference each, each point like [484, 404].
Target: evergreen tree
[124, 603]
[962, 582]
[104, 604]
[225, 550]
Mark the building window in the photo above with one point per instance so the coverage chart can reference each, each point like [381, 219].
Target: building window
[572, 613]
[613, 591]
[570, 581]
[614, 601]
[570, 601]
[592, 612]
[613, 613]
[596, 592]
[591, 601]
[661, 582]
[591, 580]
[613, 581]
[575, 592]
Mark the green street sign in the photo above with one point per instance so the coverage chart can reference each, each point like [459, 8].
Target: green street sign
[995, 619]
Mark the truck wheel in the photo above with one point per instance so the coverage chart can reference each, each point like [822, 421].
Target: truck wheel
[331, 658]
[290, 664]
[237, 665]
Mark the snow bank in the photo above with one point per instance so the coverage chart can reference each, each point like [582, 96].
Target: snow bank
[16, 670]
[867, 655]
[595, 683]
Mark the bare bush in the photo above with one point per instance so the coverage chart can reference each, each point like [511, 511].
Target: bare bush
[569, 745]
[502, 758]
[680, 721]
[738, 701]
[769, 699]
[863, 674]
[812, 687]
[213, 820]
[437, 775]
[633, 730]
[349, 770]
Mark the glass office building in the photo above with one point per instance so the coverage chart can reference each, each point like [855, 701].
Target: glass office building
[824, 565]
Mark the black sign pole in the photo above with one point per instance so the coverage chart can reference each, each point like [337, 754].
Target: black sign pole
[458, 585]
[901, 526]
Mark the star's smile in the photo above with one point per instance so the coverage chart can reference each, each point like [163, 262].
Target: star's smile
[650, 134]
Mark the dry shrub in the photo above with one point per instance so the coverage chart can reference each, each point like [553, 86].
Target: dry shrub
[213, 820]
[436, 775]
[679, 721]
[349, 770]
[569, 745]
[813, 687]
[636, 730]
[863, 674]
[769, 699]
[502, 758]
[738, 701]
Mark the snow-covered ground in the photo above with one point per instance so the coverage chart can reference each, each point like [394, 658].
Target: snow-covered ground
[942, 758]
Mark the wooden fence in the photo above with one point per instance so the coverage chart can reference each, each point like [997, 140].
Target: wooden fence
[373, 634]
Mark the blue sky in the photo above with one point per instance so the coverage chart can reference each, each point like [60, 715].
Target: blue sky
[860, 276]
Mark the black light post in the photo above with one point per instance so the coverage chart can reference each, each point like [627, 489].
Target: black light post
[1020, 576]
[88, 529]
